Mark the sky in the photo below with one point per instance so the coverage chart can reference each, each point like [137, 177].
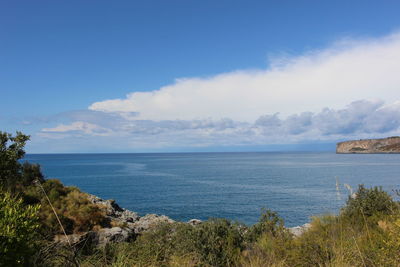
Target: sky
[182, 76]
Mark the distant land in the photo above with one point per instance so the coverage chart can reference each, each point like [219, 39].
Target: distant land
[370, 146]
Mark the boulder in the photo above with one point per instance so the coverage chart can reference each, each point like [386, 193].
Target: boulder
[299, 230]
[113, 211]
[149, 221]
[194, 222]
[112, 235]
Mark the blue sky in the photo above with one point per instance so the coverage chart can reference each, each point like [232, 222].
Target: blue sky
[208, 75]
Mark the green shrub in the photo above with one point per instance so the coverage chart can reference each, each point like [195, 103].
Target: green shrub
[268, 241]
[217, 242]
[269, 224]
[18, 225]
[76, 212]
[370, 204]
[155, 247]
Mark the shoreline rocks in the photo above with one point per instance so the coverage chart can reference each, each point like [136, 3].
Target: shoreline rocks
[126, 225]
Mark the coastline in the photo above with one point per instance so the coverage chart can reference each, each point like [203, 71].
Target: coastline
[126, 225]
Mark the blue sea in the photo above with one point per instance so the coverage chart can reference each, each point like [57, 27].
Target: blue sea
[230, 185]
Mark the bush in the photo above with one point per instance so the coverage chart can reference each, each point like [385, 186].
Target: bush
[269, 224]
[18, 225]
[268, 241]
[76, 212]
[369, 203]
[217, 242]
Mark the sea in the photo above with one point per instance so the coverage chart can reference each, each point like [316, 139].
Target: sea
[236, 186]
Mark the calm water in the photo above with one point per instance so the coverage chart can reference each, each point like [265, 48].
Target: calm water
[231, 185]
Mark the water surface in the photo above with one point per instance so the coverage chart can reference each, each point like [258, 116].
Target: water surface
[230, 185]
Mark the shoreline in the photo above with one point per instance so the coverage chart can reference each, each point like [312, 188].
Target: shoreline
[127, 225]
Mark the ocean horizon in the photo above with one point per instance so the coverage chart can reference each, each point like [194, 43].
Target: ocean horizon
[232, 185]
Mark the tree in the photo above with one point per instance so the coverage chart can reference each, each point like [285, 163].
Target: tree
[13, 174]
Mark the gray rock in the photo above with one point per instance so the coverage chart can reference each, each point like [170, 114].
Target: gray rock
[112, 235]
[129, 225]
[299, 230]
[114, 211]
[128, 216]
[97, 238]
[194, 222]
[149, 221]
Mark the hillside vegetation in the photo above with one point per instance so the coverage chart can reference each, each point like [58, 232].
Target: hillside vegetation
[34, 210]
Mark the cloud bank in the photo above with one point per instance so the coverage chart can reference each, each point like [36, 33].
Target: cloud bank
[349, 90]
[345, 72]
[360, 119]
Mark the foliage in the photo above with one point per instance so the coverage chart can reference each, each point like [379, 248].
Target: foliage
[217, 242]
[390, 250]
[18, 225]
[268, 240]
[76, 212]
[369, 203]
[269, 224]
[13, 174]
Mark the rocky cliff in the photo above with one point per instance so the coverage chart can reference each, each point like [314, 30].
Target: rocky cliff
[369, 146]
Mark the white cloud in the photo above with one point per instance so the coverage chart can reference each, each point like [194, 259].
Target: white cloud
[348, 91]
[346, 72]
[79, 127]
[359, 119]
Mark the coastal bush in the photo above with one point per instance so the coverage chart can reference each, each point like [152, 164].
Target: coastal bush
[316, 247]
[217, 242]
[18, 226]
[369, 203]
[365, 233]
[269, 224]
[268, 241]
[75, 211]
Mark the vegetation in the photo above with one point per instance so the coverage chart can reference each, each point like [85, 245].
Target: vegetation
[28, 223]
[18, 225]
[366, 232]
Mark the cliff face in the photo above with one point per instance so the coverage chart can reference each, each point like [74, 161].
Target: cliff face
[369, 146]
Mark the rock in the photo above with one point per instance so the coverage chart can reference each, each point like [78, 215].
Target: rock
[127, 224]
[112, 235]
[149, 221]
[72, 239]
[110, 205]
[97, 238]
[299, 230]
[194, 222]
[114, 211]
[128, 216]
